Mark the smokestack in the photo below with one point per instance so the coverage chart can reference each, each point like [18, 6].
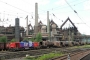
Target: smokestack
[48, 26]
[36, 18]
[17, 30]
[27, 25]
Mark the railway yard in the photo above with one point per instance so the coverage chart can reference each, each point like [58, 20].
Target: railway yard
[74, 56]
[43, 42]
[69, 52]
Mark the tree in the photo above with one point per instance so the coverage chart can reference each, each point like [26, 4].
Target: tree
[3, 39]
[38, 37]
[32, 39]
[13, 40]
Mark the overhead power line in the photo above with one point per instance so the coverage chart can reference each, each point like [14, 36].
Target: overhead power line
[76, 13]
[14, 7]
[73, 10]
[56, 17]
[60, 7]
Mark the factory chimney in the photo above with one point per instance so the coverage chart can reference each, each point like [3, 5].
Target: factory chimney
[48, 26]
[36, 18]
[17, 29]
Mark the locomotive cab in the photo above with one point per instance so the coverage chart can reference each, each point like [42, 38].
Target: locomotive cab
[14, 46]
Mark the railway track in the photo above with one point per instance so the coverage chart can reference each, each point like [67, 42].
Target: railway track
[76, 55]
[10, 55]
[87, 57]
[18, 54]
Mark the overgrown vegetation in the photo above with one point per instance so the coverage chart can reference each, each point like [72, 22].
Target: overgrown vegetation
[84, 46]
[13, 40]
[49, 56]
[55, 54]
[46, 56]
[32, 39]
[25, 39]
[3, 39]
[38, 38]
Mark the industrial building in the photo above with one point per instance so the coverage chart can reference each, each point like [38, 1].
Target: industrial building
[51, 31]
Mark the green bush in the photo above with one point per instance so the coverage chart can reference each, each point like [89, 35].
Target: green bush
[13, 40]
[32, 39]
[38, 37]
[3, 39]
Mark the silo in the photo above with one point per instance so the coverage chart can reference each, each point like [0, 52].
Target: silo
[17, 29]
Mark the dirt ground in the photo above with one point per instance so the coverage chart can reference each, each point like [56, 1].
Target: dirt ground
[17, 59]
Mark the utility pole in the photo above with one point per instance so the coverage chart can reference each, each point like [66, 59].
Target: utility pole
[49, 31]
[69, 34]
[48, 25]
[73, 35]
[6, 34]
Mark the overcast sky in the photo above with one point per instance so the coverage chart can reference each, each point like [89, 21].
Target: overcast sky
[10, 9]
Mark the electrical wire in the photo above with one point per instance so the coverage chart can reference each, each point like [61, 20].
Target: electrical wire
[14, 7]
[76, 13]
[30, 13]
[21, 9]
[8, 14]
[55, 8]
[73, 9]
[56, 17]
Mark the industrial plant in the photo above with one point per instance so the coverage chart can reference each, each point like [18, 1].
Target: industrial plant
[51, 31]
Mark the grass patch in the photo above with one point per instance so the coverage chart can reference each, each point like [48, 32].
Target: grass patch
[54, 54]
[45, 56]
[83, 46]
[86, 46]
